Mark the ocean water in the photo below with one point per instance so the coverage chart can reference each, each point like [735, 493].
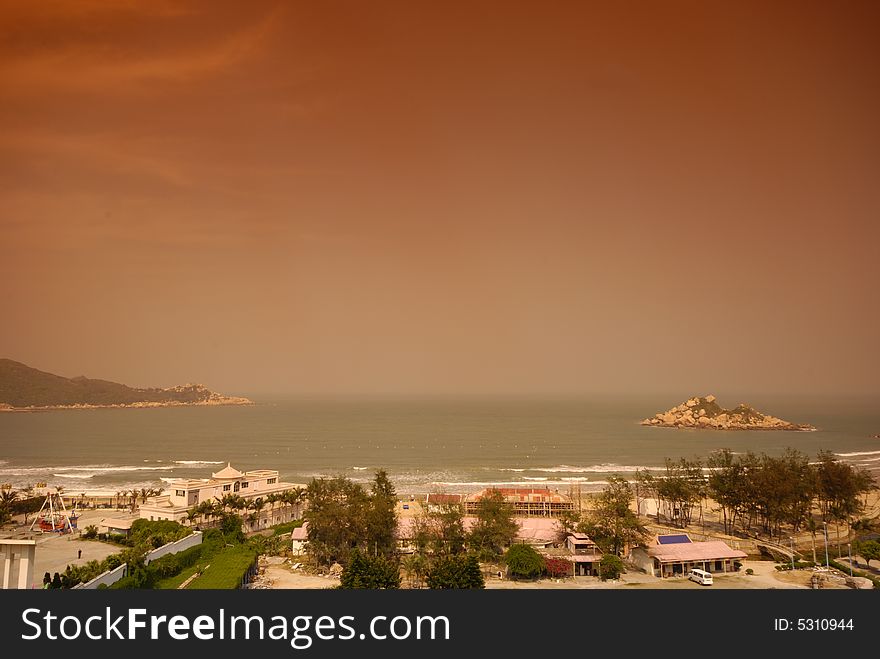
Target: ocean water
[425, 445]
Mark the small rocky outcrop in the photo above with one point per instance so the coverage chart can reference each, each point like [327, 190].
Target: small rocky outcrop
[705, 412]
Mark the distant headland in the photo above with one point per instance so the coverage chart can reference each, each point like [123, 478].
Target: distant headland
[25, 389]
[706, 413]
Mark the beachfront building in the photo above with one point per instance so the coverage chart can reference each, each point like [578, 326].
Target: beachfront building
[254, 488]
[115, 526]
[298, 538]
[526, 501]
[579, 551]
[437, 501]
[676, 555]
[540, 532]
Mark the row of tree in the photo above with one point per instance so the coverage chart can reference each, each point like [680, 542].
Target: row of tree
[760, 491]
[209, 512]
[358, 528]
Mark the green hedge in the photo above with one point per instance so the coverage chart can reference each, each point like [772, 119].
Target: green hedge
[858, 573]
[171, 564]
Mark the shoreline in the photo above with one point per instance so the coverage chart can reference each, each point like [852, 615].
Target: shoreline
[133, 406]
[729, 428]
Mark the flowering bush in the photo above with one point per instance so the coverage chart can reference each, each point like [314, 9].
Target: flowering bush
[557, 567]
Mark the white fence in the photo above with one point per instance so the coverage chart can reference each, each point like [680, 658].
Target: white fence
[173, 547]
[107, 578]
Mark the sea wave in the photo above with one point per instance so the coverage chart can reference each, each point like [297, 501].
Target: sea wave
[197, 463]
[96, 469]
[77, 476]
[857, 453]
[565, 482]
[605, 468]
[360, 468]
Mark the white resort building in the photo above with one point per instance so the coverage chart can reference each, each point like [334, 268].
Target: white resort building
[255, 486]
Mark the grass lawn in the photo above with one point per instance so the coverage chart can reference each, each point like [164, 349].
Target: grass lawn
[224, 572]
[172, 583]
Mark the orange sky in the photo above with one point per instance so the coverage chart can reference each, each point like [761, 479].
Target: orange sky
[453, 198]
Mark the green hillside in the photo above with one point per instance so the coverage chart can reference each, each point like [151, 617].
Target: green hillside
[23, 386]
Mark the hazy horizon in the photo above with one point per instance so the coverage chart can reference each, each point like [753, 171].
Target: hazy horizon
[486, 199]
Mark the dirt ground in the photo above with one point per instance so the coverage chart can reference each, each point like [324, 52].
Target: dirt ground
[282, 577]
[765, 576]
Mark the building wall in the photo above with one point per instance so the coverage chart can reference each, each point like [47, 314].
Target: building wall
[173, 547]
[107, 578]
[640, 558]
[17, 564]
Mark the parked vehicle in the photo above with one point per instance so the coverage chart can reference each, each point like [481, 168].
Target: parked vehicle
[701, 577]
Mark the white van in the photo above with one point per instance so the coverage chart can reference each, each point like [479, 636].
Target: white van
[701, 577]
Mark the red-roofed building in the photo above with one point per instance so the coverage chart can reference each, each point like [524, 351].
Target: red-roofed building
[679, 557]
[526, 501]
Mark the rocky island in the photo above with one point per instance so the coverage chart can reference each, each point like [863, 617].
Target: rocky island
[26, 389]
[705, 412]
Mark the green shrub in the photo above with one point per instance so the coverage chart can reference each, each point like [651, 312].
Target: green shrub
[370, 572]
[460, 571]
[287, 527]
[749, 570]
[523, 562]
[610, 567]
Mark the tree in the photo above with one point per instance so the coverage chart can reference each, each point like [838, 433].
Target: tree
[840, 488]
[415, 565]
[610, 567]
[455, 572]
[648, 485]
[337, 517]
[523, 562]
[440, 532]
[7, 498]
[726, 485]
[494, 528]
[613, 525]
[56, 581]
[683, 486]
[382, 516]
[370, 572]
[813, 526]
[869, 550]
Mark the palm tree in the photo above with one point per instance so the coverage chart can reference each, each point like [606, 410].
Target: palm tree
[7, 497]
[144, 493]
[414, 565]
[257, 505]
[191, 515]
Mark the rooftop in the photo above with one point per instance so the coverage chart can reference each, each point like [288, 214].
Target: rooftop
[694, 551]
[228, 472]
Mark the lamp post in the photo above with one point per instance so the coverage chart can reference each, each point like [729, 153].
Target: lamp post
[849, 552]
[825, 526]
[791, 544]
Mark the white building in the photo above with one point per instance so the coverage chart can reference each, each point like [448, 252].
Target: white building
[252, 486]
[299, 538]
[676, 555]
[17, 560]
